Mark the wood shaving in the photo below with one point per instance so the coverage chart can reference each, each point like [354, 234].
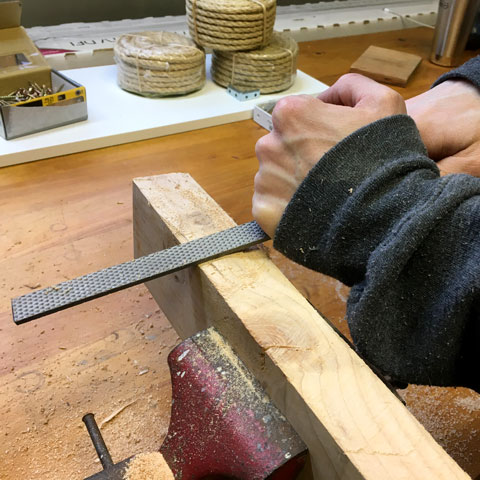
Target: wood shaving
[149, 466]
[115, 413]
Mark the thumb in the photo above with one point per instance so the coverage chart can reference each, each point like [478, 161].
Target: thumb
[357, 91]
[463, 162]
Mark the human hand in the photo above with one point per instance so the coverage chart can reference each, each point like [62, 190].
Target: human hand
[448, 118]
[304, 129]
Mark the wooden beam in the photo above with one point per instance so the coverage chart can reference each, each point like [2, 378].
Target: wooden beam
[355, 428]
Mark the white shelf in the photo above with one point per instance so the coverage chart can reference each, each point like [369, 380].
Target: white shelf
[117, 117]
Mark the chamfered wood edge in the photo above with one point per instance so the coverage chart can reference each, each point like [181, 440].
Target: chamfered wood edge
[354, 426]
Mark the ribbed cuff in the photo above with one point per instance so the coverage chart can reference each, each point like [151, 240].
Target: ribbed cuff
[331, 184]
[469, 71]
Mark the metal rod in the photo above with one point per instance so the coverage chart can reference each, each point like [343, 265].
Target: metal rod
[97, 440]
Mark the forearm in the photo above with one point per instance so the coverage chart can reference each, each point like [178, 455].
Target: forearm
[328, 214]
[375, 214]
[448, 118]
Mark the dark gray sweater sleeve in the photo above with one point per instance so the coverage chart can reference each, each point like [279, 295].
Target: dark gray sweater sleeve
[375, 214]
[468, 71]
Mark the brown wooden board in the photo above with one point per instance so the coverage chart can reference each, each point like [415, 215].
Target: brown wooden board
[354, 427]
[386, 65]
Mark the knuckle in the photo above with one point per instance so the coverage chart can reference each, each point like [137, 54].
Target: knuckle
[259, 208]
[288, 108]
[348, 78]
[386, 94]
[269, 148]
[257, 181]
[262, 147]
[256, 205]
[390, 98]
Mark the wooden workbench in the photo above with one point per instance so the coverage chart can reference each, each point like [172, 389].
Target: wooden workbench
[66, 216]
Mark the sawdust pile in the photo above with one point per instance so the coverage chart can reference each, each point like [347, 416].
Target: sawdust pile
[452, 416]
[148, 466]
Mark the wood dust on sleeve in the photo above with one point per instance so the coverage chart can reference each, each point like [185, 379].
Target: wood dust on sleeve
[149, 466]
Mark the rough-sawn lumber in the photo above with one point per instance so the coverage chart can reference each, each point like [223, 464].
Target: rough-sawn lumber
[355, 428]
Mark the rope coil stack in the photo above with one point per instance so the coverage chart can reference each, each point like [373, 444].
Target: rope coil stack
[268, 69]
[231, 25]
[159, 64]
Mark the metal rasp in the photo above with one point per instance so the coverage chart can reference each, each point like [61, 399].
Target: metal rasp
[112, 279]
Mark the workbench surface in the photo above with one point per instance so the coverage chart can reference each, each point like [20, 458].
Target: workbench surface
[71, 215]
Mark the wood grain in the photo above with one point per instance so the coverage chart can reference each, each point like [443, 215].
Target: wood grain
[352, 424]
[70, 215]
[386, 65]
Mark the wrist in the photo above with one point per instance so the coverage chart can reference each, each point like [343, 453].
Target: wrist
[340, 189]
[458, 86]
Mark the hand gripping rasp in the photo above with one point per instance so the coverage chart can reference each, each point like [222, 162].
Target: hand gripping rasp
[112, 279]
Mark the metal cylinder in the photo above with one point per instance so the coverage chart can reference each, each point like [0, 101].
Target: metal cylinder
[454, 24]
[97, 440]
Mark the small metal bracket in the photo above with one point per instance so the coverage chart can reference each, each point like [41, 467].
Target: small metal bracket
[242, 96]
[262, 114]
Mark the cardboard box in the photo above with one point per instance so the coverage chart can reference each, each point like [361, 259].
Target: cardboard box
[67, 105]
[21, 63]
